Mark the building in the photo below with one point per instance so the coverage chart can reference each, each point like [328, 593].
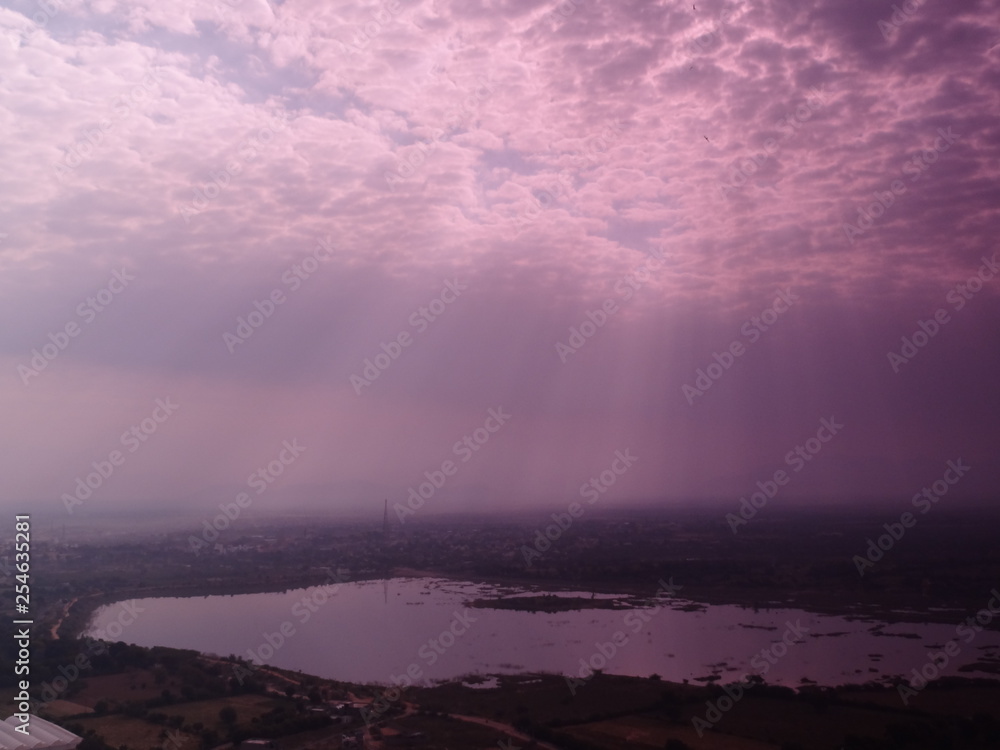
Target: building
[41, 735]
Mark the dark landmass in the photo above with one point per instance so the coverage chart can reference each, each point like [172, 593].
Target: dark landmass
[546, 603]
[943, 570]
[138, 698]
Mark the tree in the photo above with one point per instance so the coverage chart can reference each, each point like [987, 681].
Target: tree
[209, 738]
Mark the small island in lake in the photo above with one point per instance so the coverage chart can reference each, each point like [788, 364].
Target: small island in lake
[547, 603]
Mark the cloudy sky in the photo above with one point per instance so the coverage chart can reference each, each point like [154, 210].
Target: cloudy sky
[687, 231]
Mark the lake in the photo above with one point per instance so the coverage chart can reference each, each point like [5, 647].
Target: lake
[375, 631]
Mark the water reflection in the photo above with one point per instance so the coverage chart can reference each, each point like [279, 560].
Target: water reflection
[423, 629]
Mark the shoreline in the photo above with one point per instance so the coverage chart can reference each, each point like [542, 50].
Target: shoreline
[79, 613]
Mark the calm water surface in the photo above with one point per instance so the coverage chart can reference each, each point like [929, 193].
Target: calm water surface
[371, 631]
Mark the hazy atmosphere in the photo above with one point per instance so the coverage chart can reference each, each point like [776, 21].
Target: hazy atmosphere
[520, 374]
[322, 249]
